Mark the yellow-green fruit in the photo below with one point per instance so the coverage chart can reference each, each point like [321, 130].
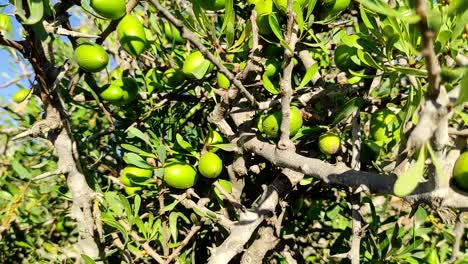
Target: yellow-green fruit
[329, 143]
[213, 5]
[333, 7]
[282, 5]
[223, 81]
[5, 24]
[460, 171]
[343, 58]
[20, 95]
[133, 176]
[111, 9]
[180, 175]
[121, 91]
[195, 65]
[173, 78]
[384, 125]
[264, 8]
[210, 165]
[272, 67]
[131, 35]
[214, 138]
[226, 185]
[91, 57]
[129, 190]
[172, 33]
[271, 123]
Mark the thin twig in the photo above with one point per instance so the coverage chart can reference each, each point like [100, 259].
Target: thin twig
[184, 243]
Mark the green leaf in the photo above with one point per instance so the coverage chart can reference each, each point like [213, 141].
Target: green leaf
[379, 7]
[109, 220]
[408, 181]
[135, 159]
[349, 40]
[127, 208]
[137, 150]
[274, 25]
[22, 172]
[368, 21]
[436, 163]
[169, 207]
[229, 22]
[390, 44]
[350, 107]
[308, 76]
[269, 86]
[135, 132]
[173, 216]
[136, 205]
[87, 259]
[141, 226]
[183, 144]
[367, 59]
[463, 96]
[36, 10]
[410, 71]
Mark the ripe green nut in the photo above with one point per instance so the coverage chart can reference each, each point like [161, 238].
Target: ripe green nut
[213, 5]
[111, 9]
[133, 176]
[20, 95]
[172, 33]
[272, 67]
[210, 165]
[460, 171]
[130, 190]
[213, 138]
[132, 36]
[271, 123]
[223, 81]
[344, 58]
[329, 143]
[5, 24]
[120, 91]
[91, 57]
[384, 125]
[180, 175]
[196, 66]
[173, 78]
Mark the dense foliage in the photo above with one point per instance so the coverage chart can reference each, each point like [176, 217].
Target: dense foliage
[309, 131]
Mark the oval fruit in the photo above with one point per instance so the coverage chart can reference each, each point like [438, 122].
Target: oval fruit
[195, 65]
[329, 143]
[213, 138]
[223, 81]
[210, 165]
[5, 24]
[172, 33]
[111, 9]
[131, 35]
[120, 91]
[272, 67]
[180, 175]
[460, 171]
[343, 58]
[213, 5]
[382, 126]
[133, 176]
[91, 57]
[173, 78]
[264, 8]
[271, 123]
[20, 95]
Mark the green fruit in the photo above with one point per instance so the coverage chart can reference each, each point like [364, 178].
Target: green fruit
[196, 66]
[272, 67]
[214, 138]
[91, 57]
[5, 24]
[343, 58]
[180, 175]
[111, 9]
[271, 123]
[121, 91]
[332, 7]
[264, 8]
[173, 78]
[133, 176]
[223, 81]
[213, 5]
[210, 165]
[460, 171]
[226, 185]
[131, 35]
[384, 125]
[20, 95]
[172, 33]
[132, 190]
[329, 143]
[282, 5]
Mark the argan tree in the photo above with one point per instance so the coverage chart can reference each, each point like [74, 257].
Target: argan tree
[221, 131]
